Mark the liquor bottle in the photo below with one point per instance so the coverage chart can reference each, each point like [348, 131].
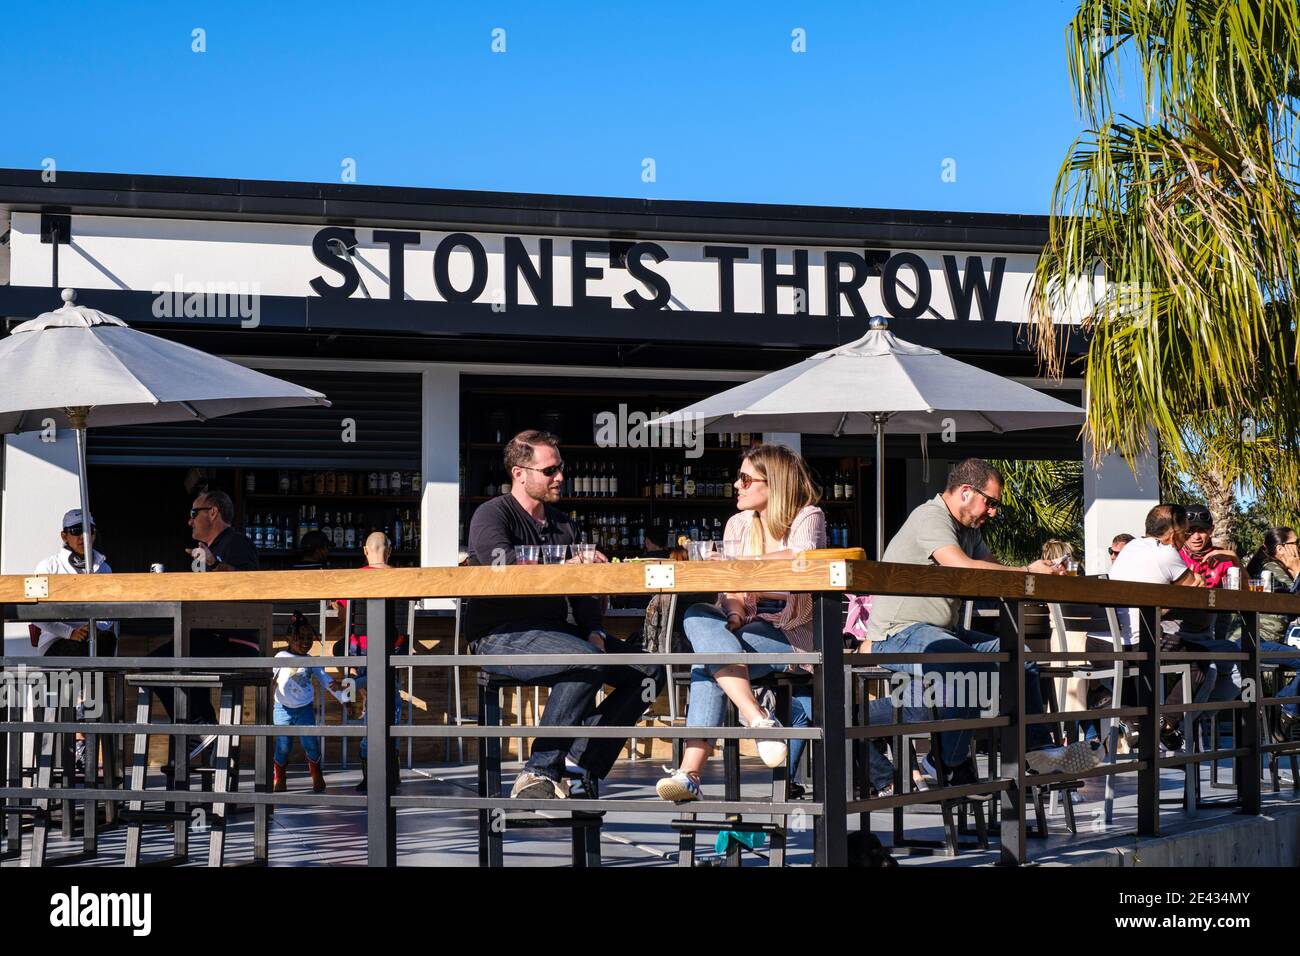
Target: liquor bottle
[327, 526]
[417, 483]
[848, 485]
[349, 534]
[255, 532]
[602, 481]
[677, 482]
[340, 533]
[745, 439]
[372, 483]
[331, 482]
[282, 483]
[623, 540]
[688, 485]
[613, 482]
[250, 482]
[311, 519]
[302, 525]
[395, 483]
[645, 485]
[666, 485]
[397, 531]
[838, 486]
[345, 483]
[383, 483]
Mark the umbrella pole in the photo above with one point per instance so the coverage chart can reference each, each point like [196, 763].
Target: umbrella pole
[77, 416]
[880, 485]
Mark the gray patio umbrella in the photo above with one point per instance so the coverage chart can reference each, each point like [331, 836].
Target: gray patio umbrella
[878, 384]
[85, 369]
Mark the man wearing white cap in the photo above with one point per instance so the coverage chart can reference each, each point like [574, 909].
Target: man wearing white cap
[65, 638]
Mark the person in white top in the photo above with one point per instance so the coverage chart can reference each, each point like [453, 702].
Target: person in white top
[778, 518]
[66, 638]
[294, 697]
[1153, 559]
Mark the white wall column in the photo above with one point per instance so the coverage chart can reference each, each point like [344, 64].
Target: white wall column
[440, 468]
[40, 484]
[1116, 499]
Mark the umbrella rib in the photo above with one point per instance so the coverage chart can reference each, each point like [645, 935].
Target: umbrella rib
[992, 427]
[193, 411]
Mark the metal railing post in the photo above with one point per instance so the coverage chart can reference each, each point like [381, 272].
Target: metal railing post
[381, 818]
[1148, 784]
[830, 829]
[1248, 767]
[1012, 747]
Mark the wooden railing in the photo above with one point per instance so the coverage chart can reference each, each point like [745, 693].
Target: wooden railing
[824, 574]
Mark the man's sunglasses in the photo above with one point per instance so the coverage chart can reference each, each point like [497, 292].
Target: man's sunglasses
[76, 530]
[746, 480]
[992, 502]
[550, 471]
[1113, 553]
[194, 512]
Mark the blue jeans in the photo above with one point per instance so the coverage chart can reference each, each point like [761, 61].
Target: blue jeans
[1291, 689]
[706, 630]
[397, 711]
[926, 638]
[295, 717]
[572, 700]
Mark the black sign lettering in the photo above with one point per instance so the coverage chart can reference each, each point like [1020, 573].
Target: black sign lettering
[397, 243]
[797, 280]
[324, 245]
[837, 285]
[582, 272]
[962, 292]
[651, 279]
[889, 283]
[726, 256]
[442, 274]
[540, 280]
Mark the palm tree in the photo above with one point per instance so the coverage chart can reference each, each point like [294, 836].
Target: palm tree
[1191, 215]
[1042, 499]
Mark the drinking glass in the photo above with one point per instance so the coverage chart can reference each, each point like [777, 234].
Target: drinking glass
[584, 552]
[554, 553]
[706, 550]
[527, 553]
[733, 550]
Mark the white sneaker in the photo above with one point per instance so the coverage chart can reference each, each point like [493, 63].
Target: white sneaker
[772, 752]
[1076, 758]
[678, 787]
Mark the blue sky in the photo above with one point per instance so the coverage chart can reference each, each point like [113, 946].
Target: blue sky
[584, 93]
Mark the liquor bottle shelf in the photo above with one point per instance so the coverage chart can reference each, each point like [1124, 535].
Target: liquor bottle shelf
[314, 498]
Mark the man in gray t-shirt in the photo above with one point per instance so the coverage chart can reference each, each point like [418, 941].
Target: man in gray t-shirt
[946, 531]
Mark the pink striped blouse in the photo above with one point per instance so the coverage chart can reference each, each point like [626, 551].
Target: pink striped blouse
[808, 531]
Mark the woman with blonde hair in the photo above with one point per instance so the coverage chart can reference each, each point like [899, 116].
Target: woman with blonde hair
[777, 518]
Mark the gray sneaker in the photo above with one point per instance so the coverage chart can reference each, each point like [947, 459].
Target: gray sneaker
[533, 786]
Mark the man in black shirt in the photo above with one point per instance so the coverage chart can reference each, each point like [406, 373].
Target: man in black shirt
[551, 625]
[219, 547]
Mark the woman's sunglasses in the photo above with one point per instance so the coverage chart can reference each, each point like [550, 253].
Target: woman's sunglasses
[746, 480]
[550, 471]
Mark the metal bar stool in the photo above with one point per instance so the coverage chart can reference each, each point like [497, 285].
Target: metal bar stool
[688, 824]
[222, 777]
[492, 824]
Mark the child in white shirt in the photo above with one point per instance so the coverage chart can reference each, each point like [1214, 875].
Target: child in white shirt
[294, 699]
